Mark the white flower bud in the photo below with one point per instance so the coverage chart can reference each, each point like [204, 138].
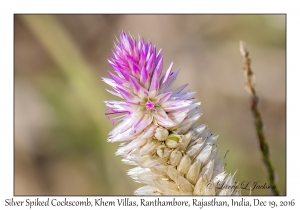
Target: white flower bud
[161, 134]
[172, 143]
[193, 173]
[200, 187]
[195, 148]
[184, 164]
[182, 183]
[163, 151]
[149, 148]
[174, 140]
[204, 154]
[185, 141]
[207, 170]
[175, 158]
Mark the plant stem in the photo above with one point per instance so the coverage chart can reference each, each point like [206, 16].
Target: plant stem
[264, 148]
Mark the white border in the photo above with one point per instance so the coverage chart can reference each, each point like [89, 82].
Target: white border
[8, 8]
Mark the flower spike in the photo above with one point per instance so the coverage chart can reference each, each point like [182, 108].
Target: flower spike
[173, 155]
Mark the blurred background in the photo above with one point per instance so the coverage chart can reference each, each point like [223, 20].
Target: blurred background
[60, 127]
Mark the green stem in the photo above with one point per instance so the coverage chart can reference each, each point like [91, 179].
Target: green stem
[264, 148]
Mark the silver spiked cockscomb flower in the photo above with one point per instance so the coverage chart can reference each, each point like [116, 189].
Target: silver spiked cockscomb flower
[157, 128]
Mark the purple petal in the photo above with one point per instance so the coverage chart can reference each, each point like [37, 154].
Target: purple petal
[148, 50]
[126, 95]
[137, 88]
[166, 75]
[141, 123]
[149, 131]
[135, 70]
[110, 82]
[184, 95]
[173, 105]
[179, 89]
[162, 98]
[169, 81]
[125, 42]
[135, 85]
[135, 54]
[114, 93]
[158, 56]
[145, 78]
[159, 66]
[150, 63]
[153, 90]
[163, 119]
[183, 107]
[142, 59]
[117, 79]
